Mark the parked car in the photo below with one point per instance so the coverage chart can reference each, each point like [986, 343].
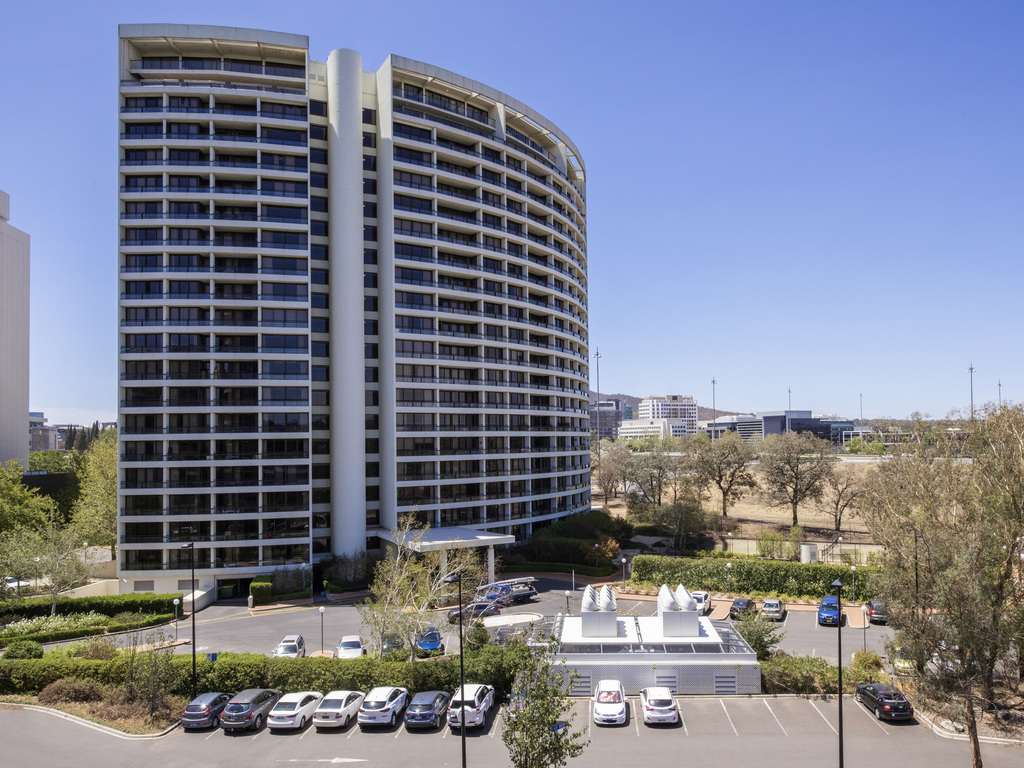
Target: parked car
[902, 664]
[294, 710]
[391, 643]
[350, 647]
[427, 710]
[248, 709]
[382, 706]
[658, 706]
[703, 601]
[469, 705]
[828, 611]
[877, 613]
[886, 702]
[204, 711]
[337, 709]
[609, 703]
[13, 583]
[523, 592]
[741, 606]
[493, 593]
[773, 609]
[473, 611]
[290, 647]
[429, 640]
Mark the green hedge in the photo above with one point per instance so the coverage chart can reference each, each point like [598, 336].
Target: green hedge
[234, 672]
[811, 580]
[291, 596]
[73, 634]
[107, 605]
[259, 590]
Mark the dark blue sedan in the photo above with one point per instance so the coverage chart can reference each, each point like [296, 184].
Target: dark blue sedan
[204, 711]
[828, 611]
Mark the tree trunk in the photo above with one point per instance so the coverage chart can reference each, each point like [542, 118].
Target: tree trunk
[795, 521]
[972, 730]
[725, 502]
[53, 606]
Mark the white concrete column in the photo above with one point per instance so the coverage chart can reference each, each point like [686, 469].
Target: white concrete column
[490, 563]
[345, 228]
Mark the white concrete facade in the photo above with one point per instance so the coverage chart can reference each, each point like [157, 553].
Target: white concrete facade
[364, 294]
[656, 428]
[681, 407]
[14, 338]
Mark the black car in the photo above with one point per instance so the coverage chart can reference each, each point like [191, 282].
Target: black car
[741, 606]
[205, 710]
[876, 612]
[249, 709]
[885, 701]
[473, 611]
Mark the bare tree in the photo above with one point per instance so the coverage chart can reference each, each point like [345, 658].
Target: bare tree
[841, 494]
[649, 468]
[726, 463]
[611, 471]
[794, 468]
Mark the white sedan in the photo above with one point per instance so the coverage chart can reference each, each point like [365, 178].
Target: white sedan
[350, 647]
[294, 710]
[337, 709]
[610, 703]
[703, 601]
[383, 706]
[658, 706]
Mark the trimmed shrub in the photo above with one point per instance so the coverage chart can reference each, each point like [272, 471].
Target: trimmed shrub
[108, 605]
[30, 676]
[810, 580]
[24, 649]
[260, 589]
[69, 689]
[96, 648]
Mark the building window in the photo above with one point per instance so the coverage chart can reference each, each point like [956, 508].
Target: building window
[320, 301]
[369, 186]
[369, 117]
[369, 279]
[369, 162]
[318, 132]
[318, 204]
[370, 375]
[369, 139]
[318, 180]
[369, 210]
[369, 328]
[369, 303]
[369, 255]
[318, 108]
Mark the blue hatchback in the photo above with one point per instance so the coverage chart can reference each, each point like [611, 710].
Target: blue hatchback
[828, 610]
[429, 640]
[205, 710]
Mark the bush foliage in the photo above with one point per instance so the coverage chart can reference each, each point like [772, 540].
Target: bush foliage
[24, 649]
[107, 605]
[811, 580]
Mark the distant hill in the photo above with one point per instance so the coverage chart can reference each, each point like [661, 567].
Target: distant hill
[703, 413]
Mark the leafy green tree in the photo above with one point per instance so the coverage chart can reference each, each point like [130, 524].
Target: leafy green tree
[649, 468]
[763, 635]
[725, 462]
[794, 468]
[21, 506]
[952, 533]
[539, 722]
[95, 512]
[55, 556]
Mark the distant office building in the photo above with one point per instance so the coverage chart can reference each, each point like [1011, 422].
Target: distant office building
[627, 412]
[43, 437]
[764, 424]
[678, 407]
[656, 428]
[14, 338]
[605, 417]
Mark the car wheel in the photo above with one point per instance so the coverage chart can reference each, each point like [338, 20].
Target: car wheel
[258, 723]
[302, 723]
[857, 697]
[393, 718]
[344, 723]
[216, 721]
[878, 713]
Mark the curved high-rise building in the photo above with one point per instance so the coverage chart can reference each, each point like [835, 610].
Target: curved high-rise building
[344, 296]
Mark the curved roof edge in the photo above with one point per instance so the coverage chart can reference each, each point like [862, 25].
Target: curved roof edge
[422, 68]
[201, 31]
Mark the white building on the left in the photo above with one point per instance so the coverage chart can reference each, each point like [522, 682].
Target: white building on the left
[14, 283]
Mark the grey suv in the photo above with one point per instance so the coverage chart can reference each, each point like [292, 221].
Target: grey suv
[249, 709]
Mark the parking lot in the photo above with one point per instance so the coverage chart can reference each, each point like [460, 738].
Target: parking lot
[744, 731]
[222, 628]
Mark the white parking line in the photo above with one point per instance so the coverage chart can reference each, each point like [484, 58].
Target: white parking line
[871, 717]
[728, 718]
[218, 730]
[824, 718]
[352, 730]
[399, 731]
[494, 725]
[636, 718]
[773, 716]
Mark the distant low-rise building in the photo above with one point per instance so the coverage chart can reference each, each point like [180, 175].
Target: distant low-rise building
[605, 417]
[42, 436]
[654, 428]
[761, 425]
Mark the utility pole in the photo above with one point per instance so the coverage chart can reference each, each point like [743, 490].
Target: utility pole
[714, 410]
[971, 371]
[597, 403]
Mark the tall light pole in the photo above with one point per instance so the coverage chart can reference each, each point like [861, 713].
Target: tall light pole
[864, 608]
[714, 410]
[322, 630]
[971, 371]
[853, 570]
[597, 402]
[728, 570]
[837, 585]
[176, 602]
[999, 386]
[623, 573]
[861, 409]
[457, 577]
[568, 594]
[789, 392]
[191, 547]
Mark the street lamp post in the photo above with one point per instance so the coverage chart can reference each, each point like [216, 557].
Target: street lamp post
[568, 594]
[728, 548]
[864, 608]
[971, 371]
[457, 578]
[322, 630]
[597, 554]
[728, 570]
[714, 410]
[177, 602]
[837, 585]
[191, 547]
[853, 570]
[623, 572]
[840, 549]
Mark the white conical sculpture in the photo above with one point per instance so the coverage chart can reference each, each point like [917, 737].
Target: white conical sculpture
[685, 599]
[607, 601]
[666, 600]
[589, 602]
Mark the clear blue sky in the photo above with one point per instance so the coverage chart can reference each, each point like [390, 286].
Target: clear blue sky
[818, 196]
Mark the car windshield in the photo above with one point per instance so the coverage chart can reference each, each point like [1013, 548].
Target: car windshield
[286, 706]
[237, 708]
[608, 697]
[430, 637]
[351, 644]
[287, 649]
[421, 707]
[374, 704]
[195, 708]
